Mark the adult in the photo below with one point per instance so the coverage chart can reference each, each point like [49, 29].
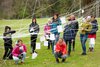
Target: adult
[55, 22]
[76, 27]
[34, 30]
[7, 37]
[84, 30]
[69, 34]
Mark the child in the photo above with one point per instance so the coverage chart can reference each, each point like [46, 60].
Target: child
[8, 42]
[47, 33]
[92, 33]
[60, 50]
[19, 52]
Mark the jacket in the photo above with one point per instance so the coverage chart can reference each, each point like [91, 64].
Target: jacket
[47, 29]
[85, 28]
[94, 27]
[16, 50]
[8, 37]
[54, 25]
[34, 28]
[69, 32]
[61, 48]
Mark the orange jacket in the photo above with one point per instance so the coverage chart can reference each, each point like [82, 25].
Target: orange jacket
[62, 48]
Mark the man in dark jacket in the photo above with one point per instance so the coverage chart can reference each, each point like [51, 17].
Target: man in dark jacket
[75, 27]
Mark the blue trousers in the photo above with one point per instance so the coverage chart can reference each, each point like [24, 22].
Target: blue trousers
[83, 38]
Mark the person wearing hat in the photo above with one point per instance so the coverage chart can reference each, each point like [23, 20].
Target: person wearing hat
[84, 30]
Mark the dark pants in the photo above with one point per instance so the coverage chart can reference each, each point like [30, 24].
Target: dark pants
[69, 42]
[73, 44]
[49, 43]
[33, 42]
[83, 38]
[8, 51]
[58, 55]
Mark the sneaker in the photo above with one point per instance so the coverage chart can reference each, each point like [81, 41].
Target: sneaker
[83, 54]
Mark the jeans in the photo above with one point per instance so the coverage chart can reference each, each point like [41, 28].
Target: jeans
[54, 42]
[83, 38]
[57, 55]
[16, 59]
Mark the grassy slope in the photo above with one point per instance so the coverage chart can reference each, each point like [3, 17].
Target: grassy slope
[45, 58]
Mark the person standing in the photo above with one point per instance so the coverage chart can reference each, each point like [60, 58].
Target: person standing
[69, 35]
[55, 22]
[92, 33]
[84, 30]
[7, 37]
[76, 27]
[33, 30]
[47, 29]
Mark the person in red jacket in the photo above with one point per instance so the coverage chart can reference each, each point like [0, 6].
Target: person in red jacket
[19, 52]
[60, 50]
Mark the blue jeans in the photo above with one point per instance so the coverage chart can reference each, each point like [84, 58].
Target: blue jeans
[83, 38]
[16, 59]
[54, 42]
[57, 55]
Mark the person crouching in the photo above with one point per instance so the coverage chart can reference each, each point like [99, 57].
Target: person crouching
[19, 52]
[60, 50]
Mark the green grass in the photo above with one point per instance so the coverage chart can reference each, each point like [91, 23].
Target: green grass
[45, 57]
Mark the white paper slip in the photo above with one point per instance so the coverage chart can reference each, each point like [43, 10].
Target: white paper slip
[45, 43]
[31, 29]
[47, 37]
[92, 41]
[60, 28]
[42, 38]
[34, 55]
[63, 20]
[38, 46]
[52, 37]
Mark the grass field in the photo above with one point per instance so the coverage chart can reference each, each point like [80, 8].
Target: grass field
[45, 57]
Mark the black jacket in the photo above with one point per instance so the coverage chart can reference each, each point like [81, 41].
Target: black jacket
[7, 37]
[94, 27]
[34, 26]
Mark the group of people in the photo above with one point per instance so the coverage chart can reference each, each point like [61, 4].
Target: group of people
[59, 45]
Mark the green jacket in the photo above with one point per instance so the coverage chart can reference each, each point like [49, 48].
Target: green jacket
[85, 28]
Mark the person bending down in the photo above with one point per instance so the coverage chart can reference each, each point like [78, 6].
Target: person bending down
[60, 50]
[19, 52]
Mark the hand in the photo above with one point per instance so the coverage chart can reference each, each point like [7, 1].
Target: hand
[20, 56]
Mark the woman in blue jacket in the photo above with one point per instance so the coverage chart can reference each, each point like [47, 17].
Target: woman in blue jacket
[55, 22]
